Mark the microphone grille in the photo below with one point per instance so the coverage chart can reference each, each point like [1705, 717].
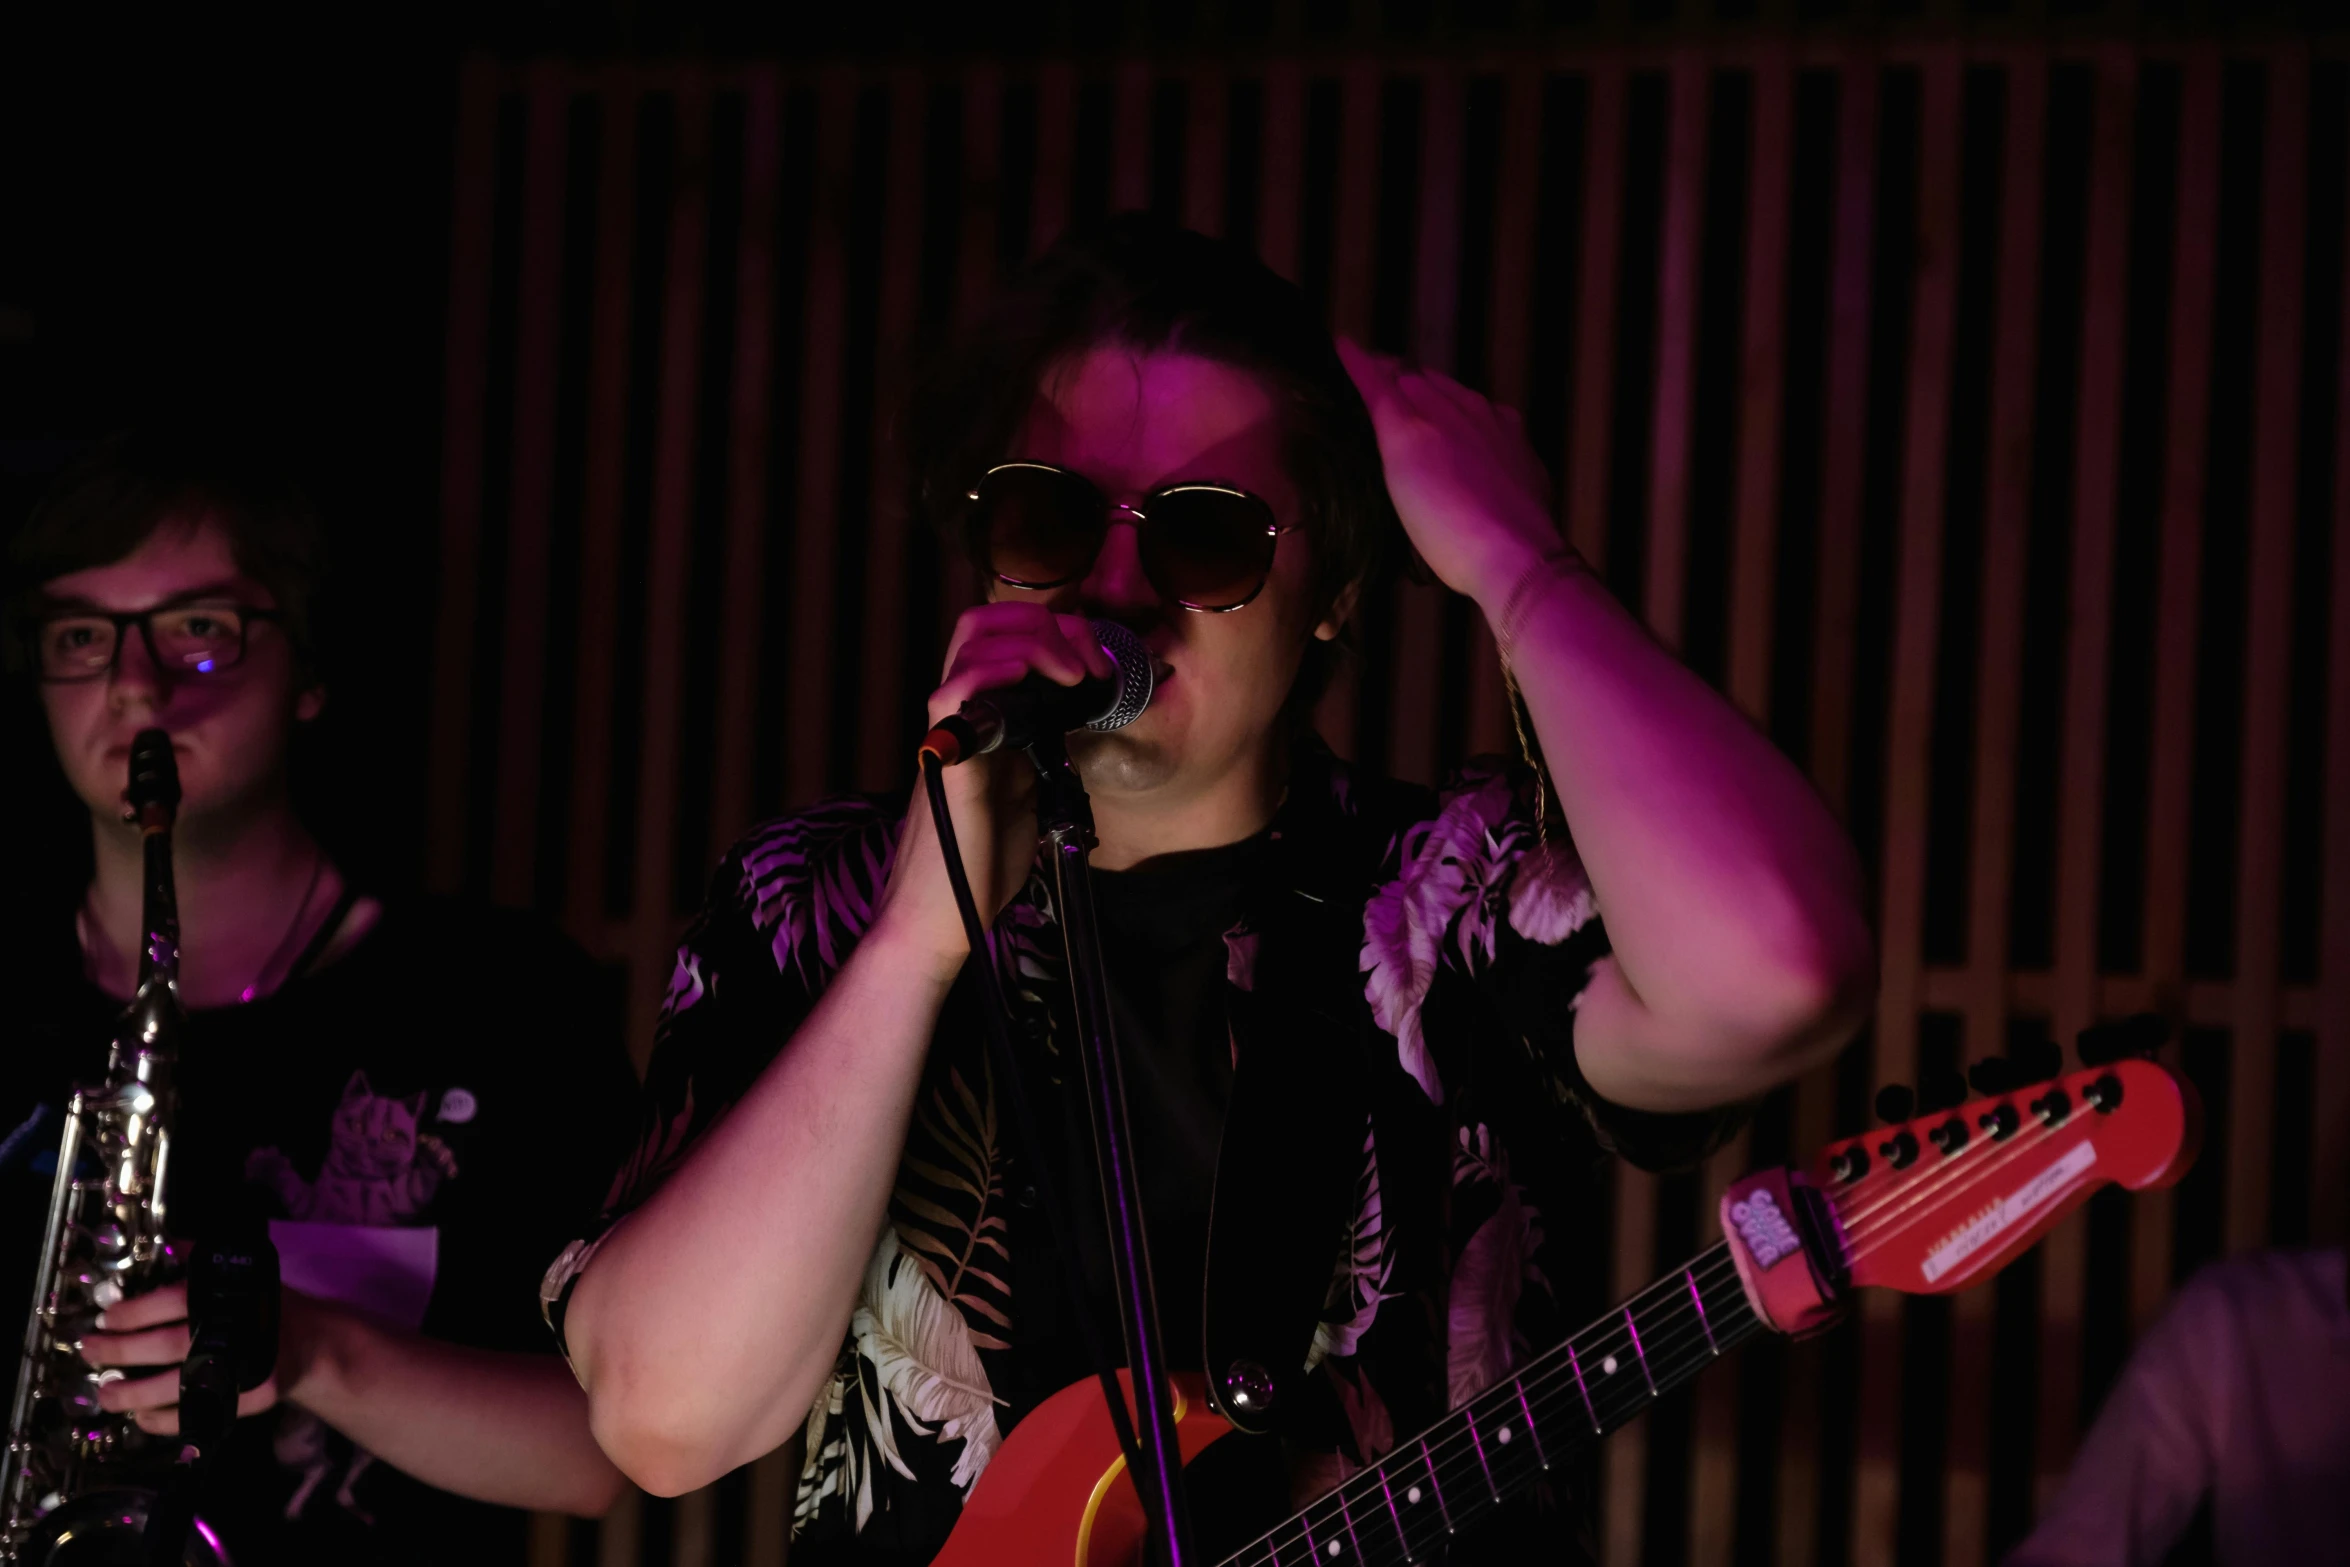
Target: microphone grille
[1135, 678]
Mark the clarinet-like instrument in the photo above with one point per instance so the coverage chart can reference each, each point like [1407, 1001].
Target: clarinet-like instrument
[78, 1482]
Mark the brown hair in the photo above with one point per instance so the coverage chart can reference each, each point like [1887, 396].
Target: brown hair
[114, 496]
[1144, 282]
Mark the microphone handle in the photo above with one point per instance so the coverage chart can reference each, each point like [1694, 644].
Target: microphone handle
[1017, 715]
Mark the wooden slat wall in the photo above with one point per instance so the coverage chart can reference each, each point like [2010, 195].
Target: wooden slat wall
[568, 516]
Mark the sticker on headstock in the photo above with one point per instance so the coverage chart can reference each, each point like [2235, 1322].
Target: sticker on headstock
[2006, 1213]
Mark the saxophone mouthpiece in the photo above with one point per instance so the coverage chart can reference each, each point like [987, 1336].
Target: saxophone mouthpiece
[154, 792]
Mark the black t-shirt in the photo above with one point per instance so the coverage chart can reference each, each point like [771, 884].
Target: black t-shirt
[457, 1076]
[1165, 959]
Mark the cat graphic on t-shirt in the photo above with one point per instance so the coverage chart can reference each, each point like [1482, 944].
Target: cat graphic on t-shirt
[380, 1168]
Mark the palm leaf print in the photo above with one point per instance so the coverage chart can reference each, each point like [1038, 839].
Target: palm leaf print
[1366, 1266]
[948, 1205]
[811, 881]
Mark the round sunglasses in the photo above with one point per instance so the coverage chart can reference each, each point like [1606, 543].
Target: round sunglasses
[1206, 547]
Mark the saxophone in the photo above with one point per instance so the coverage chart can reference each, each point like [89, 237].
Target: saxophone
[77, 1482]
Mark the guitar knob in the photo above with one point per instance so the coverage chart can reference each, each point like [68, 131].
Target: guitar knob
[1950, 1136]
[2053, 1108]
[1851, 1164]
[1900, 1150]
[1941, 1090]
[2001, 1122]
[1248, 1386]
[2104, 1095]
[1992, 1075]
[1895, 1102]
[2039, 1063]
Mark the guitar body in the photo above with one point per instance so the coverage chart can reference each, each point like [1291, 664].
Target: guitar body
[1056, 1493]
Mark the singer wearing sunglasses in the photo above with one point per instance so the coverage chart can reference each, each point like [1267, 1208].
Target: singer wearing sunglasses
[1377, 1038]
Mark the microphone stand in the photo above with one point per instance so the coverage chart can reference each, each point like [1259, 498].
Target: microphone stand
[1064, 819]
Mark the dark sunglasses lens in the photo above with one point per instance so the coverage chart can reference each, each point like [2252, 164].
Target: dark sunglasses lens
[1036, 528]
[1210, 549]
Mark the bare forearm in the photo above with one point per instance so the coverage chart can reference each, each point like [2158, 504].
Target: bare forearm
[1732, 898]
[498, 1427]
[708, 1319]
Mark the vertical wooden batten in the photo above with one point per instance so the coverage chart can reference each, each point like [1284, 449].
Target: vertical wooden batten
[1419, 620]
[2007, 504]
[815, 545]
[2088, 648]
[1843, 460]
[749, 437]
[886, 693]
[653, 926]
[464, 396]
[1917, 615]
[2276, 429]
[1509, 350]
[2170, 772]
[2329, 1207]
[609, 374]
[1590, 407]
[1353, 276]
[522, 661]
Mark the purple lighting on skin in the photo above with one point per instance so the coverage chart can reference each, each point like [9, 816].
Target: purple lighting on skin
[204, 668]
[212, 1539]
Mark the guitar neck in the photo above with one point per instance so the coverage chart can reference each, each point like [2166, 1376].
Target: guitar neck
[1404, 1507]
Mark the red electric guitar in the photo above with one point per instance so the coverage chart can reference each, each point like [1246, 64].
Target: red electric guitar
[1926, 1207]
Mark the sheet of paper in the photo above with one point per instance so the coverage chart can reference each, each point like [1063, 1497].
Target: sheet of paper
[384, 1272]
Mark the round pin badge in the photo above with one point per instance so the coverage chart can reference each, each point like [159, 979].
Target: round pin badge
[458, 1106]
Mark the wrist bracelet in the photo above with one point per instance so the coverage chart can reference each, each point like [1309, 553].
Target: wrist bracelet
[1555, 564]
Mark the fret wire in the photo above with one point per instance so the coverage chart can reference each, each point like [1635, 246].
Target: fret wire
[1435, 1485]
[1532, 1432]
[1701, 1320]
[1596, 1428]
[1669, 1333]
[1479, 1443]
[1346, 1514]
[1387, 1494]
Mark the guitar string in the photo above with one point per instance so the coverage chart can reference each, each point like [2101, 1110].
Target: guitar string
[1455, 1458]
[1976, 1138]
[1669, 1330]
[1865, 1233]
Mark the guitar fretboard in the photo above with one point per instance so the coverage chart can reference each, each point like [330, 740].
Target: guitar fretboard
[1403, 1508]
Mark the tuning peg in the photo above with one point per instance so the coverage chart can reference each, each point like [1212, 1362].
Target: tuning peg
[1992, 1075]
[1895, 1102]
[2040, 1062]
[1941, 1090]
[2107, 1043]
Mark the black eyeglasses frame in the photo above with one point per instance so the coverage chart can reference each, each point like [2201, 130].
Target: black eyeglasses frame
[144, 620]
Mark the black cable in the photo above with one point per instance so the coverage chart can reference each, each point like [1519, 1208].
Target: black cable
[999, 1037]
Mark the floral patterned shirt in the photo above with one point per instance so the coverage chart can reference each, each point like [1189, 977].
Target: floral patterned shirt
[1471, 1243]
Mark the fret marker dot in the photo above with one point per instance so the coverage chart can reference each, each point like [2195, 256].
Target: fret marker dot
[1607, 1367]
[1502, 1436]
[1412, 1496]
[1333, 1549]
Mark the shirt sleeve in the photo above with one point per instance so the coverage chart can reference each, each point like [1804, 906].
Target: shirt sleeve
[1536, 934]
[783, 912]
[2148, 1462]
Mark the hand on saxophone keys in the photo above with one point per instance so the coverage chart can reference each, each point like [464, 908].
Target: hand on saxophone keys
[153, 1330]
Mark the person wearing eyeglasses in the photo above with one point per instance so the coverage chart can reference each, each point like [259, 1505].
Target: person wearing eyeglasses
[417, 1097]
[1432, 1013]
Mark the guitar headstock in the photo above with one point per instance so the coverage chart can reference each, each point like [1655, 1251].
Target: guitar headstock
[1936, 1202]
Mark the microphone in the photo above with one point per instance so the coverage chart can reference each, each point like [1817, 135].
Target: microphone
[1019, 716]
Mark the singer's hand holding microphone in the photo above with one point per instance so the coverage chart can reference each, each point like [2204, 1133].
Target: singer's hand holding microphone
[1013, 669]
